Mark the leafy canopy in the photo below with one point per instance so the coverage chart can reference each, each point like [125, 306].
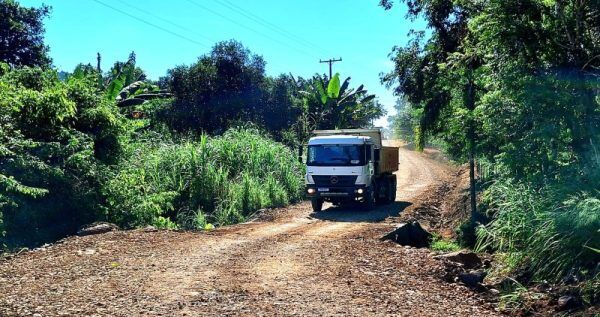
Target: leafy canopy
[22, 34]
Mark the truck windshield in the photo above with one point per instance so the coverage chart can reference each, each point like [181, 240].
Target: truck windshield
[336, 155]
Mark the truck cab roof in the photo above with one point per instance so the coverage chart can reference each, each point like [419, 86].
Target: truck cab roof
[361, 136]
[339, 139]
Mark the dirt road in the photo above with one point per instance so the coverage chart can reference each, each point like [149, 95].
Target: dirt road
[296, 263]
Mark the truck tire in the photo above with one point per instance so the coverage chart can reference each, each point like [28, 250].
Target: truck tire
[393, 188]
[382, 193]
[317, 204]
[369, 200]
[387, 192]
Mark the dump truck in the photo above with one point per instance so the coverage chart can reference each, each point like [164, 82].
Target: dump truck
[350, 166]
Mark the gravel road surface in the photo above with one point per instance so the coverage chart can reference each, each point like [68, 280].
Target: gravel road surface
[294, 262]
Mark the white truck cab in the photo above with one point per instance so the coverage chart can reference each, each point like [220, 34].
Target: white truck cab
[348, 166]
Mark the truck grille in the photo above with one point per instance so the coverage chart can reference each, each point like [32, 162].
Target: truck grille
[334, 180]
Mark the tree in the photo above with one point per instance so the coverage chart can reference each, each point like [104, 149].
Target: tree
[22, 34]
[436, 77]
[283, 104]
[515, 82]
[403, 123]
[57, 139]
[225, 86]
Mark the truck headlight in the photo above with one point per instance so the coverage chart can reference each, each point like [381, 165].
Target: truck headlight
[360, 191]
[311, 190]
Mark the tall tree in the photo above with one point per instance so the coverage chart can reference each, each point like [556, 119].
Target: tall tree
[436, 76]
[222, 87]
[22, 34]
[512, 81]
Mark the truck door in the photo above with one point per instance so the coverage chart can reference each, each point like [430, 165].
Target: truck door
[369, 159]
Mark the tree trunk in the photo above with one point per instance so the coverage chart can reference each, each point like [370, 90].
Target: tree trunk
[472, 180]
[470, 104]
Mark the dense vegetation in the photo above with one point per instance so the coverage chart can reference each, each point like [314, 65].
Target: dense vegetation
[21, 31]
[208, 144]
[195, 183]
[514, 85]
[57, 139]
[229, 85]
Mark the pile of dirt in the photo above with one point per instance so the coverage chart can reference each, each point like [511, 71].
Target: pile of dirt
[410, 234]
[442, 207]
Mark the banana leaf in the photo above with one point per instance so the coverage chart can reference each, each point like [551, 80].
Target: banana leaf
[115, 86]
[321, 91]
[345, 86]
[367, 99]
[333, 89]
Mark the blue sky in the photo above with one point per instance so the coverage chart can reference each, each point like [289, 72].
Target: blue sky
[291, 35]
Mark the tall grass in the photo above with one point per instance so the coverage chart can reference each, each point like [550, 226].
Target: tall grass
[191, 184]
[550, 233]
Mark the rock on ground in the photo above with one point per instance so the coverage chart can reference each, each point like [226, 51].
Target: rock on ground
[410, 234]
[469, 260]
[97, 228]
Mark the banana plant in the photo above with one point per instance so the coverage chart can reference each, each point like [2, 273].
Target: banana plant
[337, 106]
[121, 76]
[127, 85]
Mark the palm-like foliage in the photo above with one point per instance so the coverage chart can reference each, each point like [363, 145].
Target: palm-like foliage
[121, 76]
[125, 83]
[332, 104]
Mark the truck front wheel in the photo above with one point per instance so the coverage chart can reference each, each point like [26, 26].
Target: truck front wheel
[317, 204]
[369, 200]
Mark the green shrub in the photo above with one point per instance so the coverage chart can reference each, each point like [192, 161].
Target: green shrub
[590, 290]
[56, 140]
[164, 223]
[220, 180]
[441, 245]
[466, 234]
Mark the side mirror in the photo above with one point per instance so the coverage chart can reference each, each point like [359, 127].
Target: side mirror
[301, 154]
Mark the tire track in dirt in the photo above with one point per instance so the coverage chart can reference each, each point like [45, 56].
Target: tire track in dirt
[296, 259]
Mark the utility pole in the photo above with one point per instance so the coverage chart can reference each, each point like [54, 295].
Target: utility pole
[331, 62]
[98, 61]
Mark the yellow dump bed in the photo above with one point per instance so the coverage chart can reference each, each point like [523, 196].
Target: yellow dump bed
[389, 159]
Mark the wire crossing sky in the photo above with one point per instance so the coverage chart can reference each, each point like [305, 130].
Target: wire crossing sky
[292, 36]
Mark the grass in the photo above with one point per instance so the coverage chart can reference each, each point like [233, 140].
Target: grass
[441, 245]
[195, 184]
[516, 296]
[546, 231]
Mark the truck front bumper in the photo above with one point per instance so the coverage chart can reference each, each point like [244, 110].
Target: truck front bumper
[353, 192]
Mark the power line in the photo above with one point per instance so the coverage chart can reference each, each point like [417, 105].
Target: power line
[246, 27]
[151, 24]
[267, 24]
[177, 25]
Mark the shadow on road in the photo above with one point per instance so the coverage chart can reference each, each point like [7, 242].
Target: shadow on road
[353, 212]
